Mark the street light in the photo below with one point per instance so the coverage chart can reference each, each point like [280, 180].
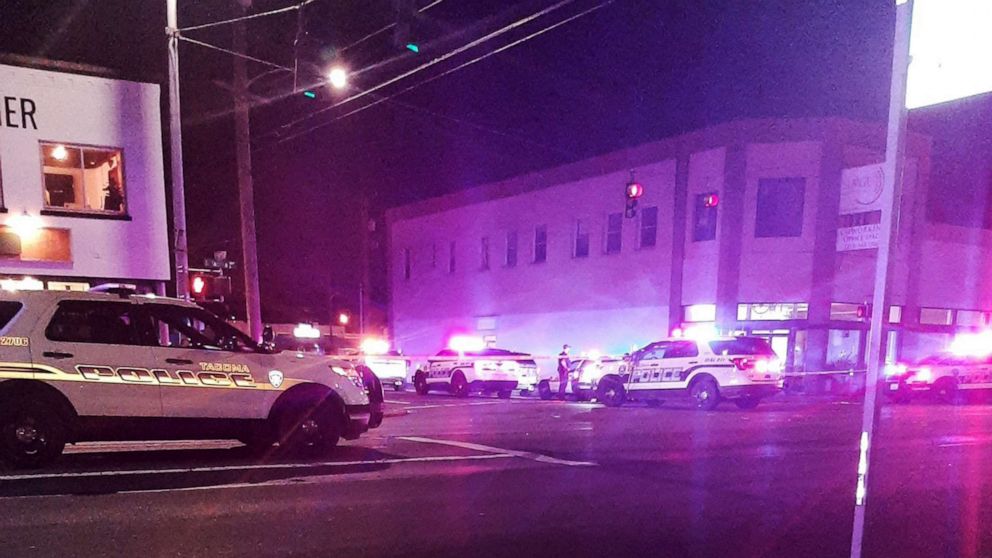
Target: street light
[337, 77]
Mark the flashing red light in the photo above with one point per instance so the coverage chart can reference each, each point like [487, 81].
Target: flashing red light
[634, 191]
[711, 200]
[199, 285]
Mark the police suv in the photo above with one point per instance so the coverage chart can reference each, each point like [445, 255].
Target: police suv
[487, 371]
[583, 378]
[80, 367]
[741, 369]
[944, 377]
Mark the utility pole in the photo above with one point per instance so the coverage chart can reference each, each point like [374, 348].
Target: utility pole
[891, 193]
[179, 249]
[363, 287]
[246, 187]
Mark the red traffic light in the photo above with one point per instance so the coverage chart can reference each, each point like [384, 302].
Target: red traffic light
[711, 200]
[634, 191]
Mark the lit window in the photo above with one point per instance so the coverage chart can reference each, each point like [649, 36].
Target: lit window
[843, 311]
[649, 227]
[511, 249]
[780, 207]
[484, 254]
[581, 240]
[704, 217]
[83, 179]
[699, 313]
[970, 318]
[541, 244]
[773, 311]
[935, 316]
[614, 233]
[895, 314]
[451, 257]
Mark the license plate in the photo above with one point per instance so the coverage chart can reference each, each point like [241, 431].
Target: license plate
[893, 387]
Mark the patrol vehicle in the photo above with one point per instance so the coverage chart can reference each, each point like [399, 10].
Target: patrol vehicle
[583, 377]
[708, 371]
[487, 370]
[80, 367]
[944, 377]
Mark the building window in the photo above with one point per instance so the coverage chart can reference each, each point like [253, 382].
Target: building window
[406, 264]
[614, 233]
[773, 312]
[699, 313]
[780, 207]
[936, 316]
[970, 318]
[511, 249]
[484, 254]
[83, 179]
[451, 257]
[895, 314]
[842, 349]
[704, 217]
[541, 244]
[847, 312]
[649, 227]
[581, 240]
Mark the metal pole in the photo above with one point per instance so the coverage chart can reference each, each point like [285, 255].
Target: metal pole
[246, 187]
[363, 287]
[180, 251]
[891, 195]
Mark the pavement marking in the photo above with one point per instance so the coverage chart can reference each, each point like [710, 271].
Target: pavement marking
[385, 461]
[109, 447]
[500, 451]
[398, 402]
[439, 405]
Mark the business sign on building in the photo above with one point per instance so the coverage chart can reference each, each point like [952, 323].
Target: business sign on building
[950, 50]
[860, 208]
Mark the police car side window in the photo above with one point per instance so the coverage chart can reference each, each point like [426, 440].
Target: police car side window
[654, 352]
[192, 328]
[86, 321]
[683, 349]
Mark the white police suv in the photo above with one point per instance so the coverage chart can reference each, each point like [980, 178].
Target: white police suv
[741, 369]
[486, 370]
[88, 366]
[944, 377]
[583, 378]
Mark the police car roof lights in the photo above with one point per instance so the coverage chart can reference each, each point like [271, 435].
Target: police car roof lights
[466, 343]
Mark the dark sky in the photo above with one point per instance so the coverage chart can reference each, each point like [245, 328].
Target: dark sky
[633, 71]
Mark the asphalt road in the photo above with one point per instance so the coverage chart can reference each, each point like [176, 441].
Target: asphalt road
[486, 477]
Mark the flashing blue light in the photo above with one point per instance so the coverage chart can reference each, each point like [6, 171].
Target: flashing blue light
[412, 47]
[310, 94]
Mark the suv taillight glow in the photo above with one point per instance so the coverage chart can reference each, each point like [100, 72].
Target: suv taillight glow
[762, 365]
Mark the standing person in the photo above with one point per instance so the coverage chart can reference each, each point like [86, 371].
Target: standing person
[563, 365]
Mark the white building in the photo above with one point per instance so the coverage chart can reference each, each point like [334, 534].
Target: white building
[82, 191]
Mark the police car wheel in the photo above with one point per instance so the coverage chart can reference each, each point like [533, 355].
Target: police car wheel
[946, 391]
[705, 394]
[420, 384]
[32, 434]
[459, 386]
[544, 391]
[611, 392]
[311, 429]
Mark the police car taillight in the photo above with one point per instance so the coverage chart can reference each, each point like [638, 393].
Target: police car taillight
[743, 363]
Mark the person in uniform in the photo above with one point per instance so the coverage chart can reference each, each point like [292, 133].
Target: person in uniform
[563, 365]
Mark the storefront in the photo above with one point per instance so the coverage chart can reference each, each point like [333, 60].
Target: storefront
[82, 192]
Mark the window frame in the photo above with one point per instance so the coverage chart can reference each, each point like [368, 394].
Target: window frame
[507, 260]
[576, 235]
[615, 234]
[484, 254]
[540, 231]
[123, 215]
[761, 226]
[642, 228]
[700, 209]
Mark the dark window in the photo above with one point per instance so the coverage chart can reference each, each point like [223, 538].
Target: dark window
[451, 258]
[742, 346]
[704, 218]
[8, 310]
[195, 328]
[649, 227]
[484, 254]
[87, 321]
[406, 263]
[780, 207]
[541, 244]
[511, 249]
[614, 233]
[581, 240]
[682, 349]
[83, 179]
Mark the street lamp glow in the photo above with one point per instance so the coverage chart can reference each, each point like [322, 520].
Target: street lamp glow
[338, 77]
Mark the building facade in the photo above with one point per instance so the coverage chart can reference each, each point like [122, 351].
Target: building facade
[82, 191]
[767, 227]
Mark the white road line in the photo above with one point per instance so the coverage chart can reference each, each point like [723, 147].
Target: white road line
[398, 402]
[500, 451]
[396, 460]
[439, 405]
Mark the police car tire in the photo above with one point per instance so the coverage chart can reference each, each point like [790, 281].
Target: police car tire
[420, 383]
[708, 386]
[946, 391]
[45, 418]
[544, 391]
[611, 392]
[292, 425]
[459, 385]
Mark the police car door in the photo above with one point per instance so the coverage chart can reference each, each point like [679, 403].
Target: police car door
[440, 367]
[216, 370]
[646, 366]
[97, 353]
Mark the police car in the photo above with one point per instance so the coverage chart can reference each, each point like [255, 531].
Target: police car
[80, 367]
[584, 374]
[708, 371]
[944, 377]
[485, 370]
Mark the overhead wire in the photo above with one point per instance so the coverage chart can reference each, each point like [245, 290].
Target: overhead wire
[386, 28]
[247, 17]
[235, 53]
[445, 73]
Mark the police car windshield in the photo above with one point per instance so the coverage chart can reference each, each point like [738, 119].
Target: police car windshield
[742, 346]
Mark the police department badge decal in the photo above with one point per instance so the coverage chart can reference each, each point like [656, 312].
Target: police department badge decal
[275, 378]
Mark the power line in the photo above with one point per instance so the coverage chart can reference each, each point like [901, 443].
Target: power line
[235, 53]
[252, 16]
[445, 73]
[435, 61]
[386, 28]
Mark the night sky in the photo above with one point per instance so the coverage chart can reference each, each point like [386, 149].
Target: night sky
[631, 72]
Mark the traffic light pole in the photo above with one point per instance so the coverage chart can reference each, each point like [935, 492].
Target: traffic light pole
[891, 195]
[179, 249]
[246, 187]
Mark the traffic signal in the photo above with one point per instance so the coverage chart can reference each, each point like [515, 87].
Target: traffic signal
[632, 192]
[206, 286]
[864, 311]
